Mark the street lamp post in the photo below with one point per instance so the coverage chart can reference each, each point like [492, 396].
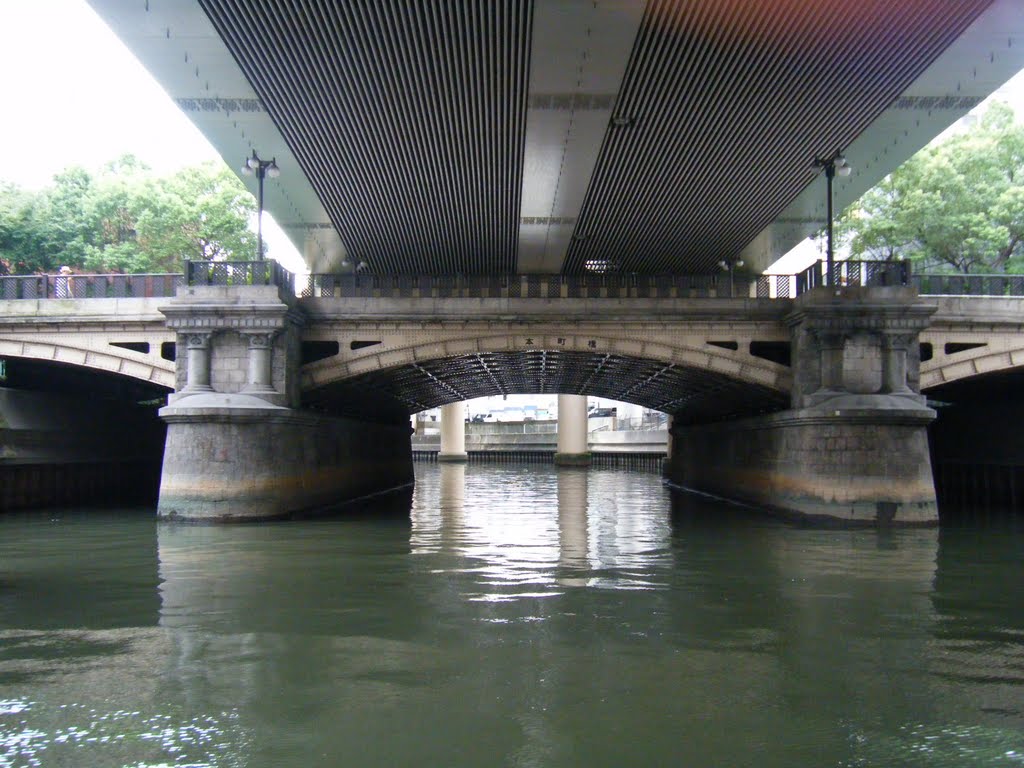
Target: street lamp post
[835, 165]
[262, 168]
[730, 266]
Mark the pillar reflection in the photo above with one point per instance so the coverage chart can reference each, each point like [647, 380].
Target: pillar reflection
[573, 534]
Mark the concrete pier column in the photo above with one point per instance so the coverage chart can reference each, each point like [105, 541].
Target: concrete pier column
[260, 347]
[572, 431]
[198, 372]
[453, 433]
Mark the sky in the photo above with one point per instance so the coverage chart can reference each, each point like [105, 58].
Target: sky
[76, 96]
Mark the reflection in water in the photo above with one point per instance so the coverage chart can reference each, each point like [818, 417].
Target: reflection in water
[515, 616]
[573, 534]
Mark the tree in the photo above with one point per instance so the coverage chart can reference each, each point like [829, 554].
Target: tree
[957, 204]
[126, 219]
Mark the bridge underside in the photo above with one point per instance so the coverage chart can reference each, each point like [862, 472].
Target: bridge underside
[548, 136]
[84, 383]
[690, 394]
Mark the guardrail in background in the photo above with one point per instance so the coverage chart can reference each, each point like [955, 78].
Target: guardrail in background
[590, 286]
[89, 286]
[969, 285]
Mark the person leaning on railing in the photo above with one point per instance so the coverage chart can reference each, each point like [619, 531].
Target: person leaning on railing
[62, 283]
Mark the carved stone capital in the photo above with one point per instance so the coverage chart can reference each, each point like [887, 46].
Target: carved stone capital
[197, 340]
[260, 340]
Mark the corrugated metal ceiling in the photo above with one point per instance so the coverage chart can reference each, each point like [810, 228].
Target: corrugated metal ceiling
[409, 118]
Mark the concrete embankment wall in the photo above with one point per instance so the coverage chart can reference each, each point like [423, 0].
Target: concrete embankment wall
[640, 450]
[483, 438]
[234, 466]
[61, 450]
[844, 470]
[978, 457]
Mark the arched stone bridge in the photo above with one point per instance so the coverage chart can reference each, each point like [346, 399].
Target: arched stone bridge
[708, 357]
[811, 405]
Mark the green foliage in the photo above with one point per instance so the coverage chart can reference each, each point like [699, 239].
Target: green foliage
[125, 219]
[956, 205]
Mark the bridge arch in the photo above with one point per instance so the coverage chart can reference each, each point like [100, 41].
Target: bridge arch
[68, 350]
[991, 357]
[679, 378]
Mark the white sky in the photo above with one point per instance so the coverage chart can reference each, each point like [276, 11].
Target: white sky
[76, 96]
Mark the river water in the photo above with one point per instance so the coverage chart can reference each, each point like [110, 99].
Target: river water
[517, 616]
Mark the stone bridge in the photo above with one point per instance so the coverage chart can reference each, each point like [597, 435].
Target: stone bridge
[348, 340]
[252, 366]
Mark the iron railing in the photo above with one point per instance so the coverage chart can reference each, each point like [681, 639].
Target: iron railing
[89, 286]
[969, 285]
[854, 273]
[263, 272]
[603, 286]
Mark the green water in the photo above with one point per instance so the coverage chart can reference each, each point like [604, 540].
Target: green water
[517, 616]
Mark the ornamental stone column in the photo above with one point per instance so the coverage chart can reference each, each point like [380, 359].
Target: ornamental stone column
[260, 348]
[894, 363]
[198, 371]
[831, 356]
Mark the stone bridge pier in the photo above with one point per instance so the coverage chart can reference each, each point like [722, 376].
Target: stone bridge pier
[853, 447]
[238, 446]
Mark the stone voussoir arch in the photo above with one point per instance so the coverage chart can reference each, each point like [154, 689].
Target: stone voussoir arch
[144, 366]
[735, 364]
[945, 369]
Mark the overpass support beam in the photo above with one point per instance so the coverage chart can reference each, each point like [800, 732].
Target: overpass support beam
[453, 433]
[573, 450]
[238, 446]
[853, 449]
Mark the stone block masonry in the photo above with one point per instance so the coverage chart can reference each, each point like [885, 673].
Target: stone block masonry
[234, 464]
[859, 468]
[854, 447]
[238, 446]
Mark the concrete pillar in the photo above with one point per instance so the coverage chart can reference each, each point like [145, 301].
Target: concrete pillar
[572, 431]
[198, 372]
[260, 348]
[453, 433]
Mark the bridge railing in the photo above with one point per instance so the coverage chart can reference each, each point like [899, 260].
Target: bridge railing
[603, 286]
[969, 285]
[598, 286]
[89, 286]
[264, 272]
[854, 273]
